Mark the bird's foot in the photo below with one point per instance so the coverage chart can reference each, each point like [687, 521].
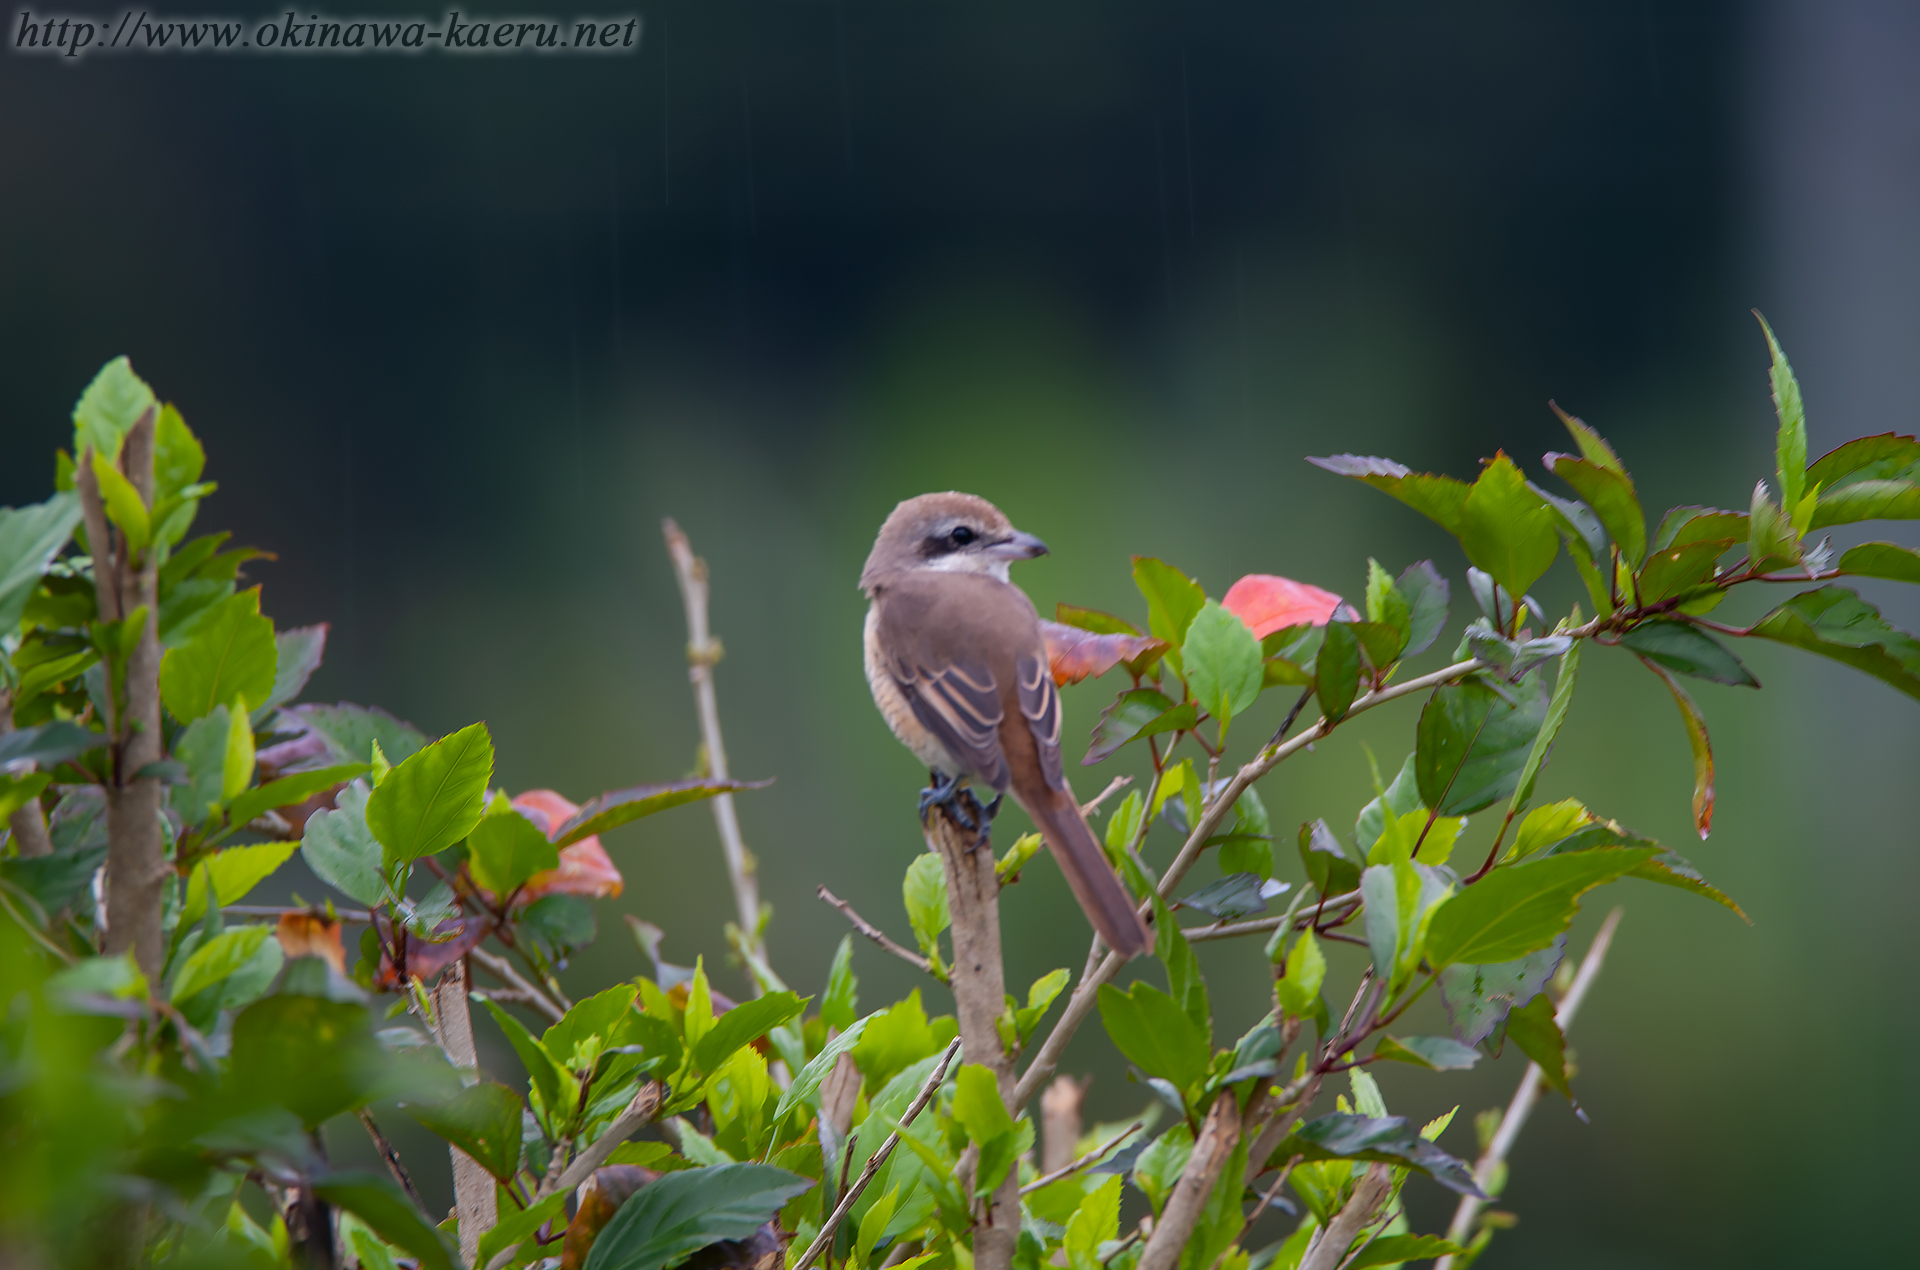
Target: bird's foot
[946, 791]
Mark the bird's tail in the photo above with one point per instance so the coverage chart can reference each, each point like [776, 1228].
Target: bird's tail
[1102, 895]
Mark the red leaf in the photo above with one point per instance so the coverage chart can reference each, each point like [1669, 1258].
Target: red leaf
[311, 935]
[1078, 654]
[585, 869]
[1267, 603]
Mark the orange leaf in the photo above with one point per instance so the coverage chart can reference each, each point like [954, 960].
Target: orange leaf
[1267, 603]
[585, 868]
[1078, 654]
[310, 935]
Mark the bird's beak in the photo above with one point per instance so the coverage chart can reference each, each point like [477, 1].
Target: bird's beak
[1018, 546]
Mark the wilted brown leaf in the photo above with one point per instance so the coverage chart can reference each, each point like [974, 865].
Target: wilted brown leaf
[1077, 654]
[311, 935]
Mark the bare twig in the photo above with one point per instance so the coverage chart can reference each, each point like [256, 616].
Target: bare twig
[502, 969]
[874, 933]
[358, 916]
[28, 824]
[1529, 1091]
[646, 1104]
[473, 1192]
[879, 1158]
[980, 995]
[1047, 1060]
[1114, 786]
[392, 1159]
[1086, 1161]
[703, 651]
[1300, 921]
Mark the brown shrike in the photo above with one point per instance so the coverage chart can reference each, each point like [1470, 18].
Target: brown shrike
[960, 671]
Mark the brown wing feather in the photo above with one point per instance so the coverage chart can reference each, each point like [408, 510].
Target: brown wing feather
[1040, 704]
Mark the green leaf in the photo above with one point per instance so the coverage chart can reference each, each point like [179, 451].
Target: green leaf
[1506, 528]
[593, 1025]
[1399, 798]
[1593, 447]
[924, 891]
[1534, 1029]
[217, 958]
[1520, 908]
[1771, 538]
[1298, 990]
[1882, 560]
[1393, 1250]
[380, 1204]
[505, 849]
[743, 1024]
[977, 1106]
[294, 788]
[1093, 620]
[1157, 1169]
[1835, 622]
[1478, 996]
[1867, 500]
[351, 732]
[559, 924]
[1380, 642]
[1690, 524]
[234, 872]
[1140, 712]
[1386, 606]
[1096, 1221]
[232, 654]
[178, 461]
[1025, 847]
[1610, 493]
[342, 851]
[683, 1212]
[1668, 867]
[1401, 901]
[1188, 985]
[1688, 650]
[806, 1085]
[1327, 866]
[1676, 570]
[516, 1226]
[297, 656]
[1700, 745]
[616, 807]
[1427, 595]
[1155, 1034]
[202, 747]
[1236, 895]
[839, 1004]
[1222, 662]
[122, 503]
[1887, 456]
[30, 538]
[315, 1057]
[1791, 446]
[17, 791]
[1337, 671]
[109, 408]
[236, 759]
[483, 1121]
[1385, 1139]
[1441, 499]
[551, 1082]
[1549, 729]
[1040, 997]
[1436, 1053]
[1173, 600]
[435, 798]
[1547, 825]
[1474, 743]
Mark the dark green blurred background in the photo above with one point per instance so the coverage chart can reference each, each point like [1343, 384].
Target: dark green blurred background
[458, 333]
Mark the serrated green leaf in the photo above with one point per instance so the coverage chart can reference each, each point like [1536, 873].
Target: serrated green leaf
[1557, 708]
[1882, 560]
[1478, 997]
[1474, 743]
[1698, 743]
[433, 799]
[232, 654]
[1427, 595]
[616, 807]
[505, 849]
[1173, 601]
[1435, 1053]
[1385, 1139]
[1306, 970]
[30, 538]
[806, 1084]
[483, 1121]
[1222, 662]
[1506, 528]
[1155, 1034]
[217, 958]
[1401, 901]
[1688, 650]
[1535, 1030]
[924, 891]
[294, 788]
[1611, 495]
[108, 409]
[342, 851]
[1835, 622]
[1134, 714]
[234, 872]
[1790, 446]
[1441, 499]
[1386, 605]
[742, 1025]
[380, 1204]
[839, 1004]
[592, 1026]
[1520, 908]
[1337, 670]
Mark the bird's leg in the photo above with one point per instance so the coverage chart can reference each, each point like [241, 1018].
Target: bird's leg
[945, 791]
[992, 809]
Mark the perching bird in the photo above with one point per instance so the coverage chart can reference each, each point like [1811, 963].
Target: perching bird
[959, 669]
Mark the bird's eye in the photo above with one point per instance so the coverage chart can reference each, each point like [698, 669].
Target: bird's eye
[961, 536]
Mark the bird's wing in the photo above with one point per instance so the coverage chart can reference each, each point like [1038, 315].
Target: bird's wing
[946, 671]
[1040, 705]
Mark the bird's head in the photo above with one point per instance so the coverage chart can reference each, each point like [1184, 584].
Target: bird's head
[950, 532]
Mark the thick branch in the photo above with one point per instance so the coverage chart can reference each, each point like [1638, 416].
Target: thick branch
[1060, 1122]
[874, 933]
[980, 993]
[1529, 1091]
[703, 651]
[1219, 1135]
[473, 1192]
[1330, 1249]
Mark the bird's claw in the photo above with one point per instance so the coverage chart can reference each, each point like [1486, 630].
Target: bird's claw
[945, 792]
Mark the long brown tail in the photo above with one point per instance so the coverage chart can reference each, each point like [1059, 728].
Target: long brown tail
[1102, 895]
